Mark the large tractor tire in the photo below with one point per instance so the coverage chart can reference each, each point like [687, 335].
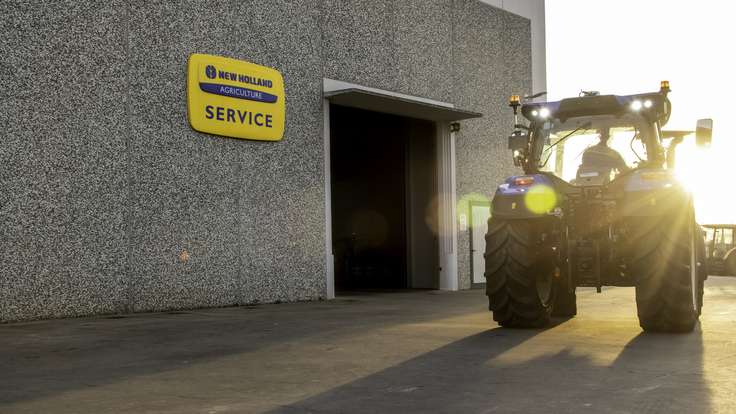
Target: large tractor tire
[519, 273]
[729, 263]
[668, 297]
[702, 265]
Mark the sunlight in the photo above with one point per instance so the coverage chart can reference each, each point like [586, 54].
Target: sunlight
[623, 62]
[547, 344]
[703, 172]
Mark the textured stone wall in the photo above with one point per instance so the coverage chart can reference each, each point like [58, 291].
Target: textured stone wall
[109, 202]
[492, 62]
[63, 159]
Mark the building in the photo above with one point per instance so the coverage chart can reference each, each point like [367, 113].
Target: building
[112, 203]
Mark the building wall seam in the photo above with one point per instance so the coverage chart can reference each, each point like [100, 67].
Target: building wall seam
[128, 214]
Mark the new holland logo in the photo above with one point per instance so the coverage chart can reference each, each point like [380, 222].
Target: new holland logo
[210, 71]
[236, 91]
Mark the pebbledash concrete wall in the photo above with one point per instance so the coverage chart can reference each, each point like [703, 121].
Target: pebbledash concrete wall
[110, 202]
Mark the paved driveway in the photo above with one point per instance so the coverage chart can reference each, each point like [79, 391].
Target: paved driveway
[421, 352]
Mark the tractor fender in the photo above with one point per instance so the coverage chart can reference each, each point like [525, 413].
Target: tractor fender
[526, 196]
[653, 192]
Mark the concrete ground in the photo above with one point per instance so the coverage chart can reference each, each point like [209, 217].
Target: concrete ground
[405, 352]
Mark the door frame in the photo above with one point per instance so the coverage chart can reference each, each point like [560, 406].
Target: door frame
[446, 194]
[471, 226]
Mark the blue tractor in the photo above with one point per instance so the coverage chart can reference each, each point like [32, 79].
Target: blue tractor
[598, 205]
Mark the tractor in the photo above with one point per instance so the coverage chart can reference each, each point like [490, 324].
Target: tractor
[598, 204]
[720, 248]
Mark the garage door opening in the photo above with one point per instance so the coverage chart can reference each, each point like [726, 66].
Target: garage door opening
[389, 189]
[383, 171]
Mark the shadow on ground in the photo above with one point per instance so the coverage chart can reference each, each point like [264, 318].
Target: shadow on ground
[653, 373]
[46, 358]
[580, 365]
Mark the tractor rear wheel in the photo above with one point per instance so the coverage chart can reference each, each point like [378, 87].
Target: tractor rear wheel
[668, 297]
[519, 272]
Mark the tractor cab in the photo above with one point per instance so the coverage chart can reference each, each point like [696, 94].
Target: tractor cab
[592, 139]
[593, 150]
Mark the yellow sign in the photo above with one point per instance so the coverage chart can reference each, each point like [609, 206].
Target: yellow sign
[234, 98]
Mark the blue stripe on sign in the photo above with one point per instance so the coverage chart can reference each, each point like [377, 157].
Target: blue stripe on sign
[237, 92]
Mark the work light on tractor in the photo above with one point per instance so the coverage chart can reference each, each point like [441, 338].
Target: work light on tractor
[597, 205]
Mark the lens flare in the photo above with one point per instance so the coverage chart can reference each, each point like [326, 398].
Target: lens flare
[540, 199]
[463, 204]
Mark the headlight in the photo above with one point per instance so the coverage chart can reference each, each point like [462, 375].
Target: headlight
[543, 113]
[636, 105]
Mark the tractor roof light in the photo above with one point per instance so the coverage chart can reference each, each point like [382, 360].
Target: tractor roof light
[664, 87]
[637, 105]
[541, 113]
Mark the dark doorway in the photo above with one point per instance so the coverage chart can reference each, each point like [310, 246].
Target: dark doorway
[383, 192]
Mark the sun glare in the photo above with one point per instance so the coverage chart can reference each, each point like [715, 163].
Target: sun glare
[703, 173]
[625, 62]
